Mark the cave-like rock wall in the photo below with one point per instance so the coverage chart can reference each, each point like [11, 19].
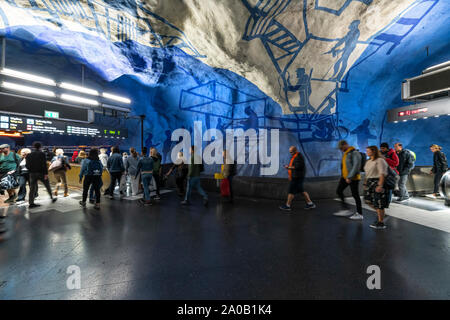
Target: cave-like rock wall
[317, 70]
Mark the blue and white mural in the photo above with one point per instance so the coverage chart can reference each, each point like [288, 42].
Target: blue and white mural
[317, 70]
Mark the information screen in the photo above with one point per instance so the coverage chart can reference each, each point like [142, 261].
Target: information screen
[19, 123]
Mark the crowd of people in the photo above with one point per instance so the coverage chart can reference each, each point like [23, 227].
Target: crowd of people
[385, 171]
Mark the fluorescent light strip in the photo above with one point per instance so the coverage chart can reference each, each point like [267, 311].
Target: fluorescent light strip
[117, 98]
[438, 66]
[19, 87]
[69, 97]
[81, 89]
[27, 76]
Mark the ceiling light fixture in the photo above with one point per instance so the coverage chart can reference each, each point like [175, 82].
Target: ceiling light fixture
[27, 89]
[27, 76]
[81, 89]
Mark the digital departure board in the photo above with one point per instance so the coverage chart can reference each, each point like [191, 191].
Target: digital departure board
[21, 124]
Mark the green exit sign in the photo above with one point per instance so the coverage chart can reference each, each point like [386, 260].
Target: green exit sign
[51, 114]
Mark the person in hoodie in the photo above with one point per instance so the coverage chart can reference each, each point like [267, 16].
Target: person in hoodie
[350, 177]
[392, 160]
[116, 170]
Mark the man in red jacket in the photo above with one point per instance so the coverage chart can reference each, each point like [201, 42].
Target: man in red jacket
[390, 155]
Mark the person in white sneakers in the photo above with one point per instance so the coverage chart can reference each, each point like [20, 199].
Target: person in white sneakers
[350, 176]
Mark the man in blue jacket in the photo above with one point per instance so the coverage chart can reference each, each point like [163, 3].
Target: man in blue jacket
[116, 170]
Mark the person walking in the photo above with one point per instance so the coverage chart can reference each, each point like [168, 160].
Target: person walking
[195, 167]
[157, 170]
[91, 170]
[145, 169]
[60, 164]
[182, 170]
[37, 167]
[9, 163]
[116, 170]
[390, 156]
[405, 165]
[440, 166]
[81, 156]
[103, 157]
[296, 171]
[131, 169]
[229, 171]
[375, 193]
[23, 175]
[350, 177]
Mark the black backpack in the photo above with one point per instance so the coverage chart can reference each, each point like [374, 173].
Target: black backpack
[363, 160]
[94, 168]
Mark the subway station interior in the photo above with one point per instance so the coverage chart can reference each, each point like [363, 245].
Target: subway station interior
[315, 80]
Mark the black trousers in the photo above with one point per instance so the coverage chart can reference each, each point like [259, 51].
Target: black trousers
[34, 178]
[181, 184]
[157, 181]
[115, 177]
[96, 183]
[437, 180]
[354, 187]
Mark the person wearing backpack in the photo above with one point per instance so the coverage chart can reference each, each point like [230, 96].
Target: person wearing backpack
[440, 166]
[405, 165]
[194, 169]
[60, 165]
[351, 166]
[91, 170]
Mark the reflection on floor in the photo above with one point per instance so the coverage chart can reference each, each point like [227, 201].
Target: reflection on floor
[245, 250]
[421, 210]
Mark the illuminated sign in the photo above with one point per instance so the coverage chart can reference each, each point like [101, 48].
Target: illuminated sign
[51, 114]
[21, 124]
[425, 110]
[412, 112]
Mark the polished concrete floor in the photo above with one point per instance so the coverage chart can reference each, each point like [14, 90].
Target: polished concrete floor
[248, 250]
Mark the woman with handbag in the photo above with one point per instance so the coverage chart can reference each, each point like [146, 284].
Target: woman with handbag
[59, 165]
[9, 163]
[375, 192]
